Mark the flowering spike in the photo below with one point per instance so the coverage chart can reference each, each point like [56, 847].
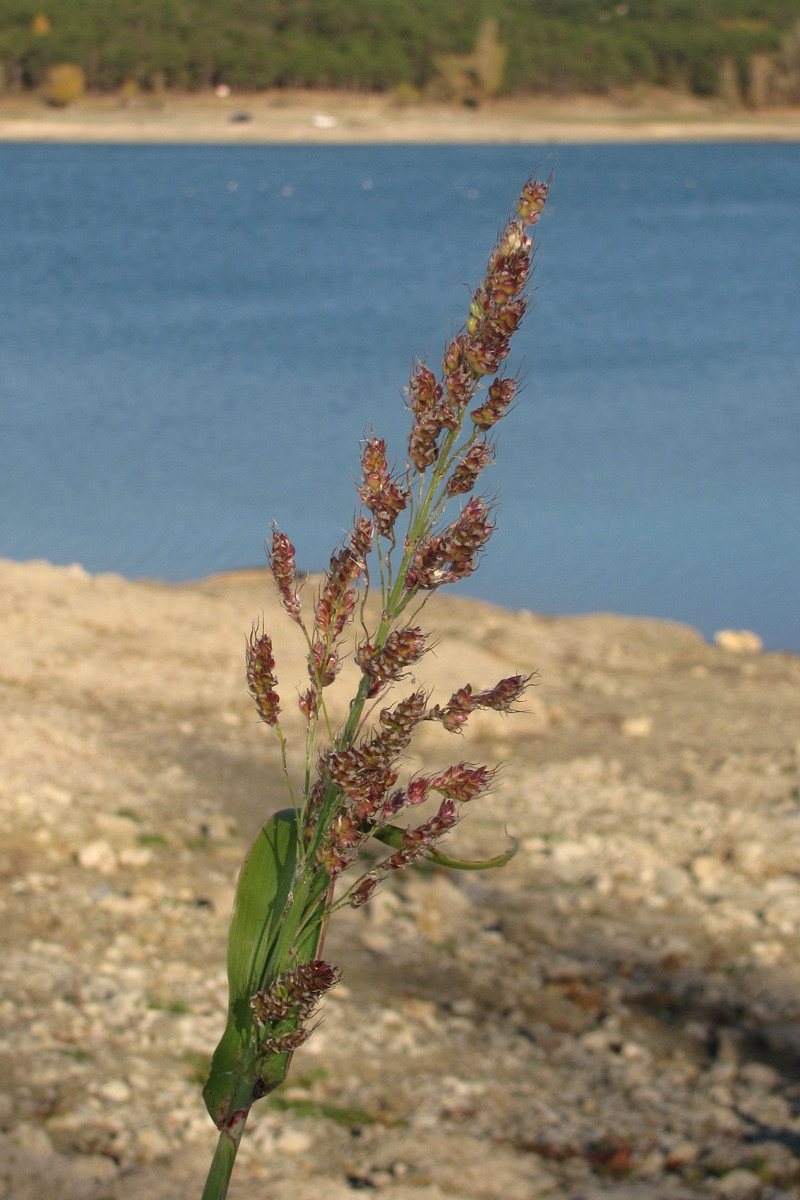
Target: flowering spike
[402, 648]
[469, 468]
[501, 698]
[260, 678]
[382, 495]
[281, 556]
[499, 397]
[463, 781]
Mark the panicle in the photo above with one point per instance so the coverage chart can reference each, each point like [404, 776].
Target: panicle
[281, 555]
[383, 496]
[261, 680]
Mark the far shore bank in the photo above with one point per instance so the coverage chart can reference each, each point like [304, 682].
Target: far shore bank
[322, 117]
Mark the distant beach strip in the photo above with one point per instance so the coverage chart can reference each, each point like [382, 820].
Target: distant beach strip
[345, 118]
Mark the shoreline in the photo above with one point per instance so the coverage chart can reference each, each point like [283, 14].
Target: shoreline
[341, 118]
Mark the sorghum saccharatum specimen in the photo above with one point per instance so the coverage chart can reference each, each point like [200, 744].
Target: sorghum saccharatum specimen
[293, 877]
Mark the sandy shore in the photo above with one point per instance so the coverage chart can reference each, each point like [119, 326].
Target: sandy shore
[337, 117]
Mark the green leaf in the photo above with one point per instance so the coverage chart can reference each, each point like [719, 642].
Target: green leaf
[277, 922]
[392, 835]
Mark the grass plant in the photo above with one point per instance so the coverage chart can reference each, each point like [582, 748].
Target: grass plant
[304, 864]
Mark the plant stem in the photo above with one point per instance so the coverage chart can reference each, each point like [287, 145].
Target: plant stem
[219, 1173]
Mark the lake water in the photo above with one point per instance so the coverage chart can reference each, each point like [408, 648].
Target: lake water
[194, 339]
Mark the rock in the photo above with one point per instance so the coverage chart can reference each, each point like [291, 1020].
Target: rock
[738, 1184]
[98, 855]
[637, 727]
[32, 1139]
[738, 641]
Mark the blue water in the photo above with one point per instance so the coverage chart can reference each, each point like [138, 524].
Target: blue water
[193, 340]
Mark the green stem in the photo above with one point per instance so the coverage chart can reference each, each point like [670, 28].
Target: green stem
[219, 1173]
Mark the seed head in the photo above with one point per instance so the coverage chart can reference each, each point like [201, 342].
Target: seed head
[397, 724]
[501, 698]
[468, 469]
[323, 665]
[402, 648]
[499, 397]
[260, 678]
[281, 556]
[463, 781]
[424, 393]
[295, 995]
[452, 554]
[383, 496]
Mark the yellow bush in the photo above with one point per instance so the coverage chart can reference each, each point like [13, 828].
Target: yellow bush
[40, 25]
[63, 85]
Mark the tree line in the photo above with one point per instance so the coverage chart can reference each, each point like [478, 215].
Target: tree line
[556, 46]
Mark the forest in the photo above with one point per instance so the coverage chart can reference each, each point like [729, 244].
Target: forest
[422, 47]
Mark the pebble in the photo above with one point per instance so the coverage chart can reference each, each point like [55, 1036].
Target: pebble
[98, 855]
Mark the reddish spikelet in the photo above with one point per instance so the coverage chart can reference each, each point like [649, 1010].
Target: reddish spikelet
[458, 373]
[332, 860]
[422, 448]
[532, 201]
[398, 723]
[424, 393]
[286, 1042]
[500, 395]
[261, 680]
[323, 666]
[402, 648]
[363, 891]
[281, 555]
[362, 773]
[337, 599]
[453, 554]
[499, 303]
[455, 713]
[468, 469]
[463, 781]
[361, 541]
[427, 833]
[504, 694]
[500, 698]
[383, 496]
[296, 994]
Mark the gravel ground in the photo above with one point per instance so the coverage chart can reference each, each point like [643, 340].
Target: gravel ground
[616, 1013]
